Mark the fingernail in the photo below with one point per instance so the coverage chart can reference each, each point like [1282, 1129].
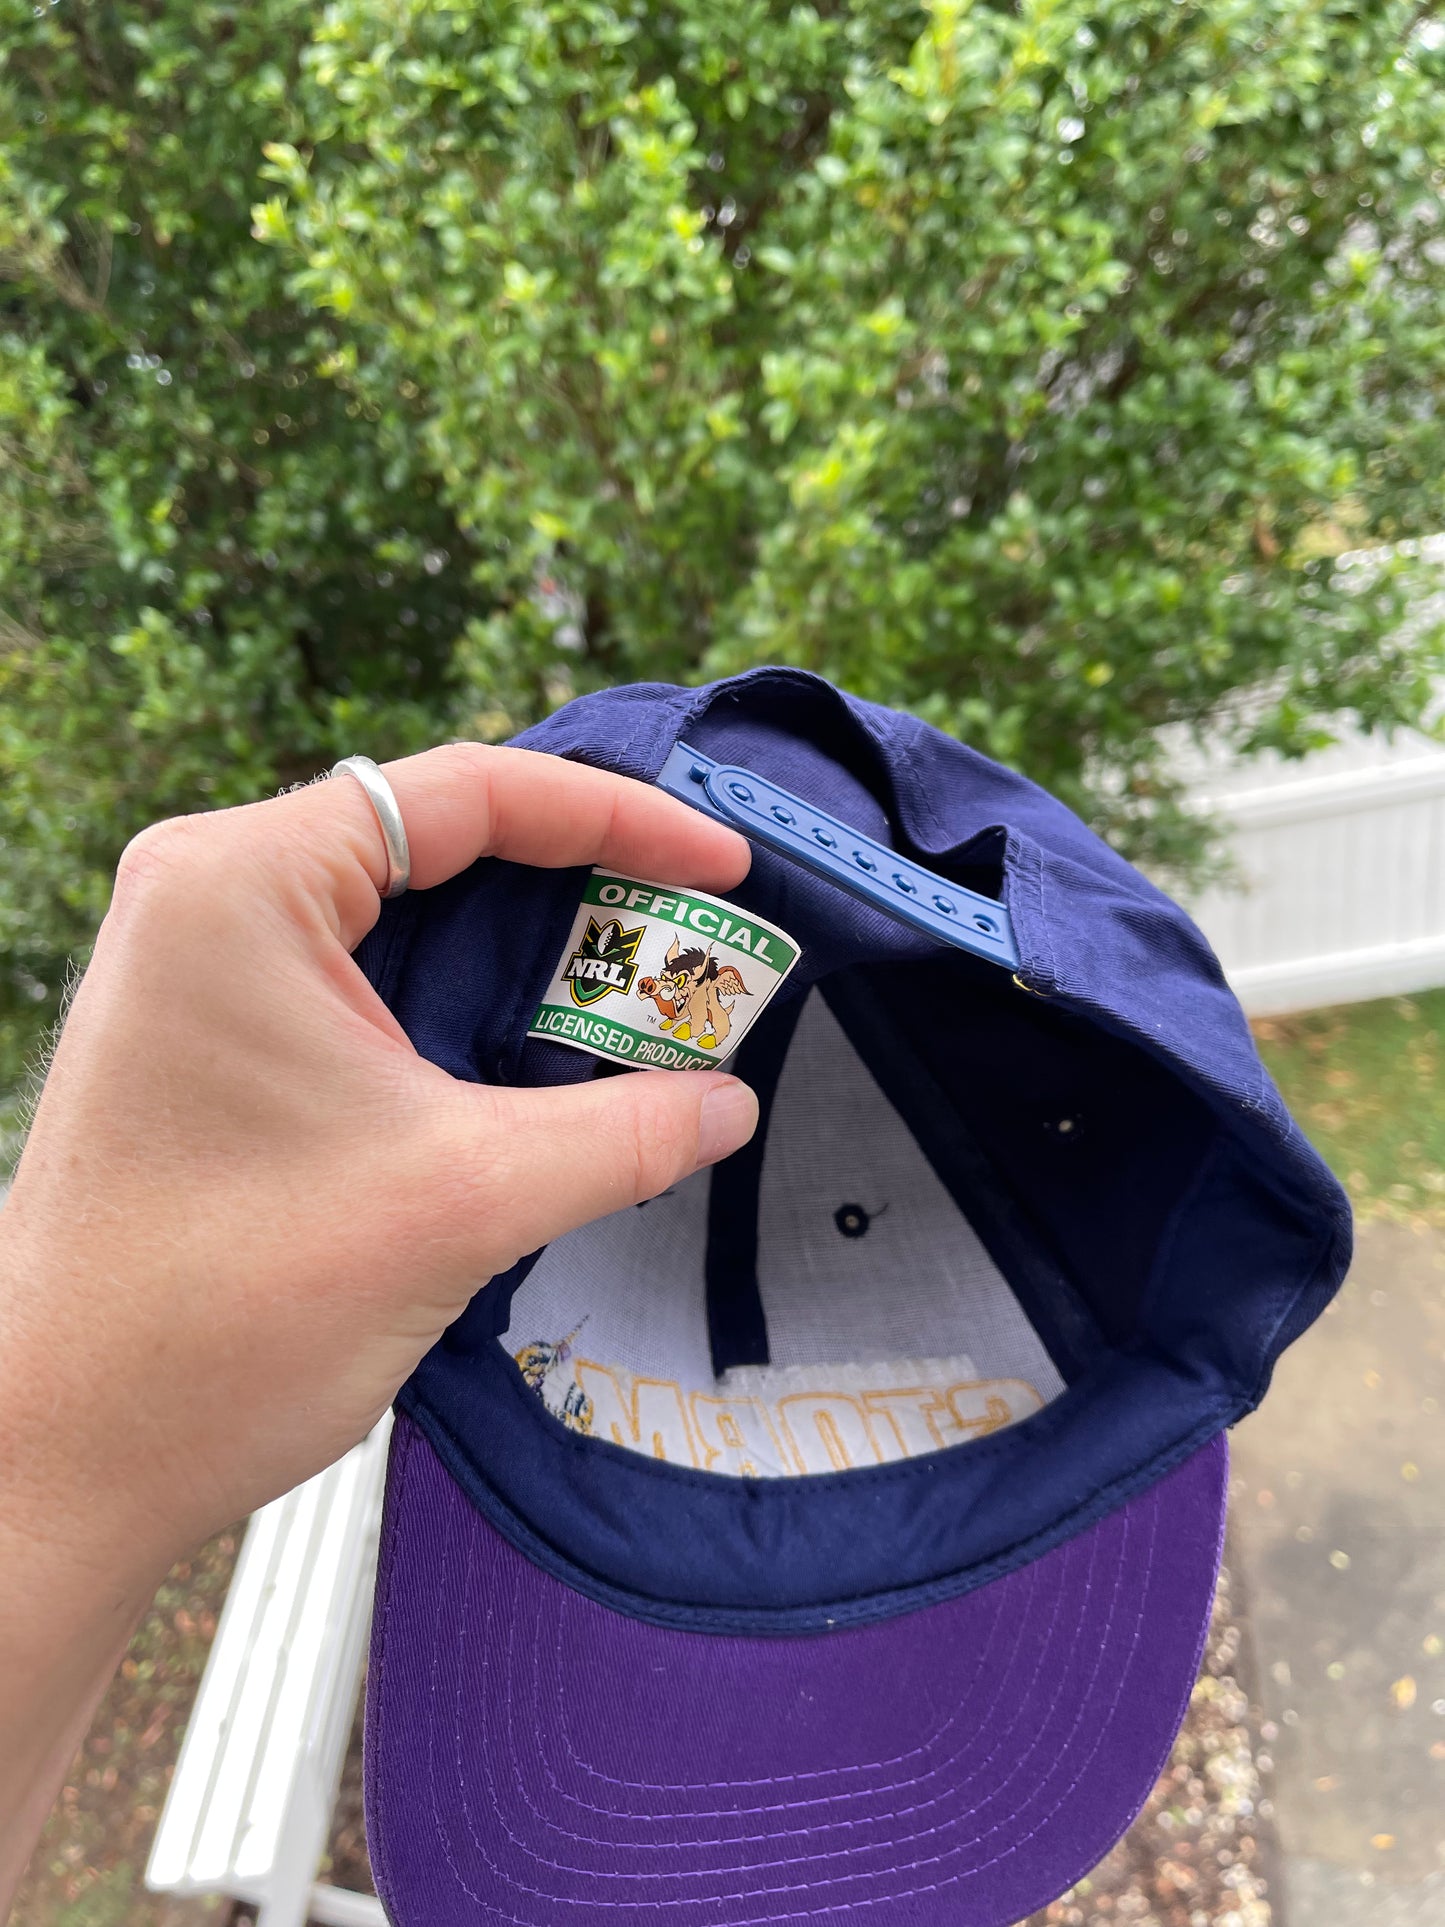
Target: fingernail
[728, 1119]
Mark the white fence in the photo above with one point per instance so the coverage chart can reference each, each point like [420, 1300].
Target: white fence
[1340, 893]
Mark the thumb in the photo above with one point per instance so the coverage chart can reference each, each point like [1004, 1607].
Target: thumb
[556, 1157]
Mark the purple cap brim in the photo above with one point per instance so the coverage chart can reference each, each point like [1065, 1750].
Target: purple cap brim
[534, 1758]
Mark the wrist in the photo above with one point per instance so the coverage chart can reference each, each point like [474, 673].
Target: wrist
[74, 1510]
[70, 1597]
[75, 1576]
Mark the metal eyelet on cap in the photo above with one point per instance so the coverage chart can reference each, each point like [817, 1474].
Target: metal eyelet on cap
[1029, 987]
[852, 1220]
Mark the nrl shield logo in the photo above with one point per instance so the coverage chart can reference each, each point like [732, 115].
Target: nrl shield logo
[603, 961]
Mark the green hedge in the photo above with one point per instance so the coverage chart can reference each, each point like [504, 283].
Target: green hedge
[388, 370]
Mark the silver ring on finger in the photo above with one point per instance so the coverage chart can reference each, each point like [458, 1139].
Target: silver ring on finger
[388, 815]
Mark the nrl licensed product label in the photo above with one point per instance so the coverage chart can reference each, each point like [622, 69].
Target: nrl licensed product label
[659, 977]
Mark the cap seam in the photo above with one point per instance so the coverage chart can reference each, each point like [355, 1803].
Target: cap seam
[769, 1621]
[1169, 1234]
[1324, 1250]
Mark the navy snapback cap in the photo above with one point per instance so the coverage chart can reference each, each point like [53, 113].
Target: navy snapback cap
[833, 1537]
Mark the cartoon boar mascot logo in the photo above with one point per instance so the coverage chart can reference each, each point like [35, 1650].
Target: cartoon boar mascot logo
[690, 995]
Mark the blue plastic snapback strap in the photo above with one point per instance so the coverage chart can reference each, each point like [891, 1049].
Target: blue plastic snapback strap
[870, 871]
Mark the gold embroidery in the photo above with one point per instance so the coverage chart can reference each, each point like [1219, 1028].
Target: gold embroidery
[833, 1420]
[795, 1434]
[650, 1418]
[737, 1431]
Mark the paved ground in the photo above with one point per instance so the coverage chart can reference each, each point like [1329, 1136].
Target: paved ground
[1339, 1546]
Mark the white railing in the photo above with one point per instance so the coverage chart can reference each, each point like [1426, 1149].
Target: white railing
[249, 1807]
